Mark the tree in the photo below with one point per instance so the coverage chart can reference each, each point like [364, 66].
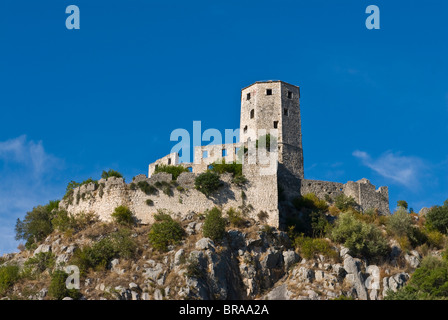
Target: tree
[437, 218]
[37, 224]
[402, 204]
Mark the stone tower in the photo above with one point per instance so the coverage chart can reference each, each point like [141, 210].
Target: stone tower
[274, 105]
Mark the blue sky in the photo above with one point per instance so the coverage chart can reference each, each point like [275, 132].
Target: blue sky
[374, 103]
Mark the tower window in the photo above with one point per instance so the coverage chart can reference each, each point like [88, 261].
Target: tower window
[275, 124]
[169, 161]
[285, 111]
[269, 92]
[252, 113]
[245, 129]
[248, 96]
[289, 95]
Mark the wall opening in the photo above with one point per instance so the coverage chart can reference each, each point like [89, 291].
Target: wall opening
[169, 161]
[290, 95]
[285, 111]
[248, 96]
[190, 169]
[252, 113]
[275, 124]
[224, 152]
[204, 154]
[245, 129]
[269, 92]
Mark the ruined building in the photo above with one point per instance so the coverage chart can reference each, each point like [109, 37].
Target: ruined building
[267, 107]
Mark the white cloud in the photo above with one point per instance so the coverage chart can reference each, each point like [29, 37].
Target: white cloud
[404, 170]
[27, 172]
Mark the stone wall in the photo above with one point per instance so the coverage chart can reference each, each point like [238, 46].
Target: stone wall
[259, 195]
[362, 191]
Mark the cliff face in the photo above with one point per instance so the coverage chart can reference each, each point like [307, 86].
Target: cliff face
[252, 262]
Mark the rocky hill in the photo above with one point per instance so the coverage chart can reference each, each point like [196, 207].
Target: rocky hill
[250, 261]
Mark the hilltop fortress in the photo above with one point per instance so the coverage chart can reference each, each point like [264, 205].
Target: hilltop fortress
[266, 107]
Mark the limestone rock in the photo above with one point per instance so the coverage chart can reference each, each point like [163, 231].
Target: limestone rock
[290, 258]
[42, 248]
[205, 243]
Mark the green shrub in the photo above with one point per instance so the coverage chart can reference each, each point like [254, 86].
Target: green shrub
[41, 262]
[180, 188]
[207, 182]
[174, 170]
[147, 188]
[194, 269]
[235, 218]
[220, 167]
[429, 281]
[361, 238]
[111, 173]
[214, 225]
[343, 203]
[119, 244]
[37, 224]
[400, 223]
[149, 202]
[402, 204]
[435, 239]
[239, 180]
[164, 232]
[58, 289]
[310, 201]
[437, 218]
[310, 247]
[267, 229]
[8, 276]
[122, 215]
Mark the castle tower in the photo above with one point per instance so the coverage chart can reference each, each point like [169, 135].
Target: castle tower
[274, 105]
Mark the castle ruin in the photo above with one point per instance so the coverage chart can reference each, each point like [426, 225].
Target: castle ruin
[266, 106]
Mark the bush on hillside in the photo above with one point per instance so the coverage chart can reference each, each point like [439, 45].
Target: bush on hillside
[428, 282]
[343, 202]
[122, 215]
[207, 182]
[37, 224]
[8, 276]
[165, 231]
[437, 218]
[361, 238]
[58, 289]
[310, 201]
[310, 247]
[214, 225]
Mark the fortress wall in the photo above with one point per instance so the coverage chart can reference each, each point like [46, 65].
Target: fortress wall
[362, 191]
[115, 192]
[321, 188]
